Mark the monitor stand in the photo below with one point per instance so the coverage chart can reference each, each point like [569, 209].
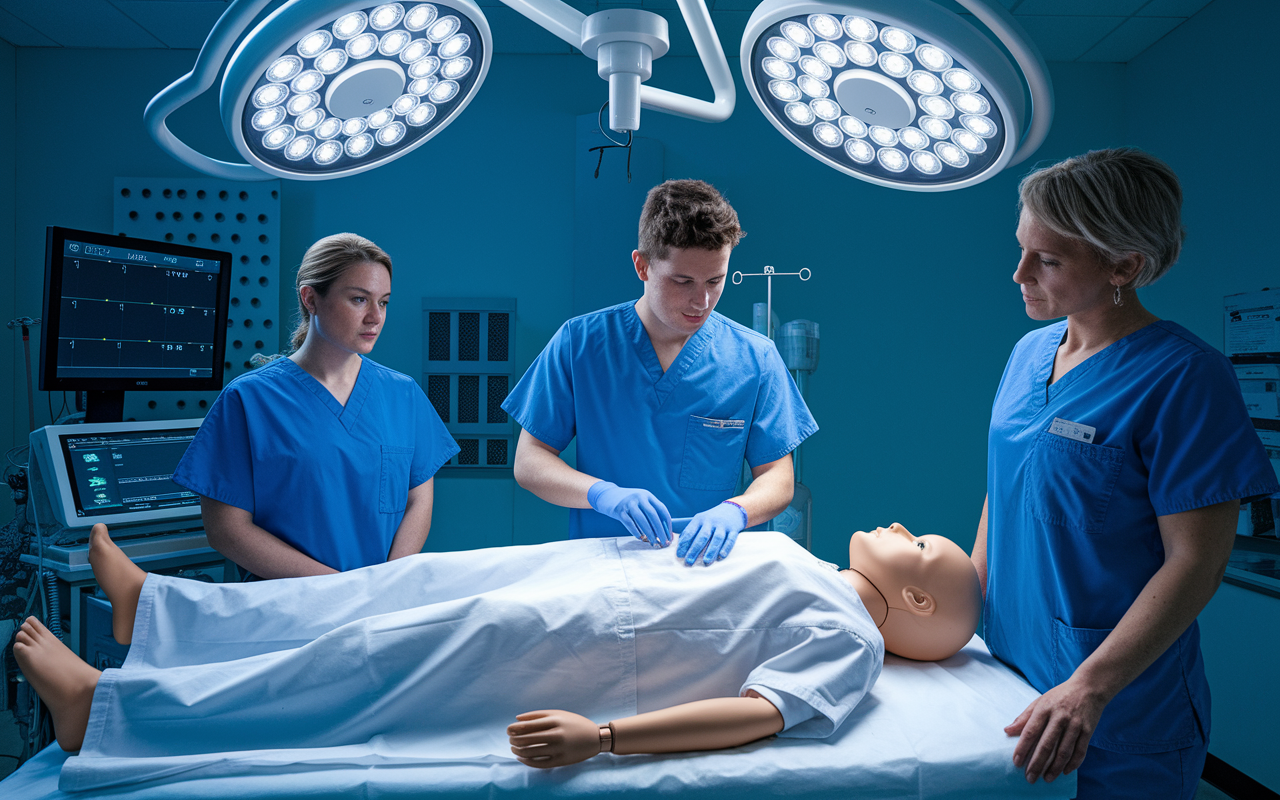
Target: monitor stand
[104, 406]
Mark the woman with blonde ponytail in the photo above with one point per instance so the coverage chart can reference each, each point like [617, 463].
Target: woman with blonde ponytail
[322, 461]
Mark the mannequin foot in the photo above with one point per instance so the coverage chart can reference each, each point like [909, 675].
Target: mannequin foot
[121, 580]
[63, 681]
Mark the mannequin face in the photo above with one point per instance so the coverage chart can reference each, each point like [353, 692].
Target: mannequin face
[929, 587]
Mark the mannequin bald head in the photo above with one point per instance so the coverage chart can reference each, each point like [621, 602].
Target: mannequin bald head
[921, 591]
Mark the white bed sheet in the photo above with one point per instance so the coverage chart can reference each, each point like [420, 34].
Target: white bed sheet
[925, 730]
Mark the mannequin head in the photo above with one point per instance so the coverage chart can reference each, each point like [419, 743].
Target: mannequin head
[921, 591]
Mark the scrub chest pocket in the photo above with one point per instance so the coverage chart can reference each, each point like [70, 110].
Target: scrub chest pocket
[393, 491]
[1069, 483]
[713, 450]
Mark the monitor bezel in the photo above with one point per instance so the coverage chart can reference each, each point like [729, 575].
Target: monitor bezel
[54, 258]
[47, 443]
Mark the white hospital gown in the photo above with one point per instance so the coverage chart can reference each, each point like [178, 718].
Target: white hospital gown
[429, 658]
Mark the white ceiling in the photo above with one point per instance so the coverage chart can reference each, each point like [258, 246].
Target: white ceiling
[1065, 30]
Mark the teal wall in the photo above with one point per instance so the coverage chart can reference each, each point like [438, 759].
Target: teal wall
[1231, 211]
[912, 291]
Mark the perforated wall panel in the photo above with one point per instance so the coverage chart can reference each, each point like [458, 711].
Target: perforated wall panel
[241, 218]
[468, 342]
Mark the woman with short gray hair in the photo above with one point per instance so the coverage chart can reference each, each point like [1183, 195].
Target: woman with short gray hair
[1118, 455]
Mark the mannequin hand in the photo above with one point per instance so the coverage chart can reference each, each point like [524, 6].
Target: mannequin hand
[1054, 731]
[545, 739]
[715, 529]
[643, 515]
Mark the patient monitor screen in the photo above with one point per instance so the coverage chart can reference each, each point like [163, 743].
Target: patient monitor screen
[115, 473]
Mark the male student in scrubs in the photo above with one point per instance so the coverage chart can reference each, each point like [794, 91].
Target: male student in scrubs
[665, 396]
[323, 461]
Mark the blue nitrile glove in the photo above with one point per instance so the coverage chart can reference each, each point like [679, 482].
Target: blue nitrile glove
[715, 529]
[644, 515]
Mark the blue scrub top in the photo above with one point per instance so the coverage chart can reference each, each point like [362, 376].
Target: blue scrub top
[1072, 536]
[681, 434]
[332, 481]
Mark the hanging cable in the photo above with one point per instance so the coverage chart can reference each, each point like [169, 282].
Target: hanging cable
[624, 145]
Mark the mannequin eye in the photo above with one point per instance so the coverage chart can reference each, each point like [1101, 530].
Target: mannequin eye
[920, 545]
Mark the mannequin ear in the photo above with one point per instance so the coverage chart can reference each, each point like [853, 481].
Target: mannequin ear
[919, 601]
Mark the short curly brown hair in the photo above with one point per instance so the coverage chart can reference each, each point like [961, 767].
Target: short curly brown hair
[687, 215]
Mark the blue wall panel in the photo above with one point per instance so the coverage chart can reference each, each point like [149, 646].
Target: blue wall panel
[13, 404]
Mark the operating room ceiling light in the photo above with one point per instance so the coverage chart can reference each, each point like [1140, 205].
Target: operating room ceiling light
[327, 88]
[926, 102]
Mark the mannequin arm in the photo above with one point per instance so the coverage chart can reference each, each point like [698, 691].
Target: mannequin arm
[556, 738]
[539, 468]
[1054, 731]
[416, 522]
[980, 550]
[231, 532]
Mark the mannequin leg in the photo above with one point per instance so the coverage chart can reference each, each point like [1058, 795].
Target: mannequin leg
[63, 681]
[121, 580]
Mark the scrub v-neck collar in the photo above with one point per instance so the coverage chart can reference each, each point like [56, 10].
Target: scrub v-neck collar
[348, 414]
[665, 382]
[1049, 355]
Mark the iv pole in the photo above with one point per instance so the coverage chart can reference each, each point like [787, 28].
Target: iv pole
[769, 274]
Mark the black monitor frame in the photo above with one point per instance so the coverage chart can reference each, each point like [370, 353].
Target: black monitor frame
[106, 394]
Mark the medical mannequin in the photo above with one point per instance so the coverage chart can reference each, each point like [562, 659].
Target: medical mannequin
[890, 564]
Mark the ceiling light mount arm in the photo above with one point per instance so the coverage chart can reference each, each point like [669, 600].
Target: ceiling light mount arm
[1034, 70]
[625, 41]
[229, 27]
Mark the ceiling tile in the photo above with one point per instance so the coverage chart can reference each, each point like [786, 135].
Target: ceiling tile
[20, 34]
[181, 24]
[1078, 8]
[1068, 38]
[1173, 8]
[1135, 35]
[82, 23]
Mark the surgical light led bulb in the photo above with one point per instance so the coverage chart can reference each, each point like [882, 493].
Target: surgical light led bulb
[417, 49]
[443, 29]
[979, 125]
[777, 68]
[859, 151]
[825, 26]
[273, 94]
[424, 68]
[278, 137]
[386, 17]
[861, 29]
[827, 134]
[933, 58]
[785, 91]
[362, 46]
[391, 134]
[422, 86]
[952, 155]
[308, 81]
[885, 137]
[937, 107]
[924, 82]
[354, 126]
[358, 146]
[926, 162]
[421, 115]
[331, 61]
[456, 68]
[783, 49]
[961, 80]
[825, 109]
[327, 153]
[404, 104]
[852, 126]
[382, 118]
[969, 103]
[284, 69]
[800, 35]
[799, 113]
[420, 16]
[830, 53]
[328, 129]
[268, 118]
[313, 44]
[815, 67]
[455, 46]
[935, 127]
[895, 64]
[302, 103]
[968, 142]
[299, 148]
[812, 86]
[350, 25]
[913, 138]
[860, 53]
[898, 40]
[891, 159]
[393, 42]
[443, 92]
[309, 120]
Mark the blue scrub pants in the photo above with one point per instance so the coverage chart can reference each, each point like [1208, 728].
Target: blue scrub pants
[1106, 775]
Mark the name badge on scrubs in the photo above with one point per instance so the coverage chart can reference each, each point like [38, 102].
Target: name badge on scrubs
[1072, 430]
[730, 424]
